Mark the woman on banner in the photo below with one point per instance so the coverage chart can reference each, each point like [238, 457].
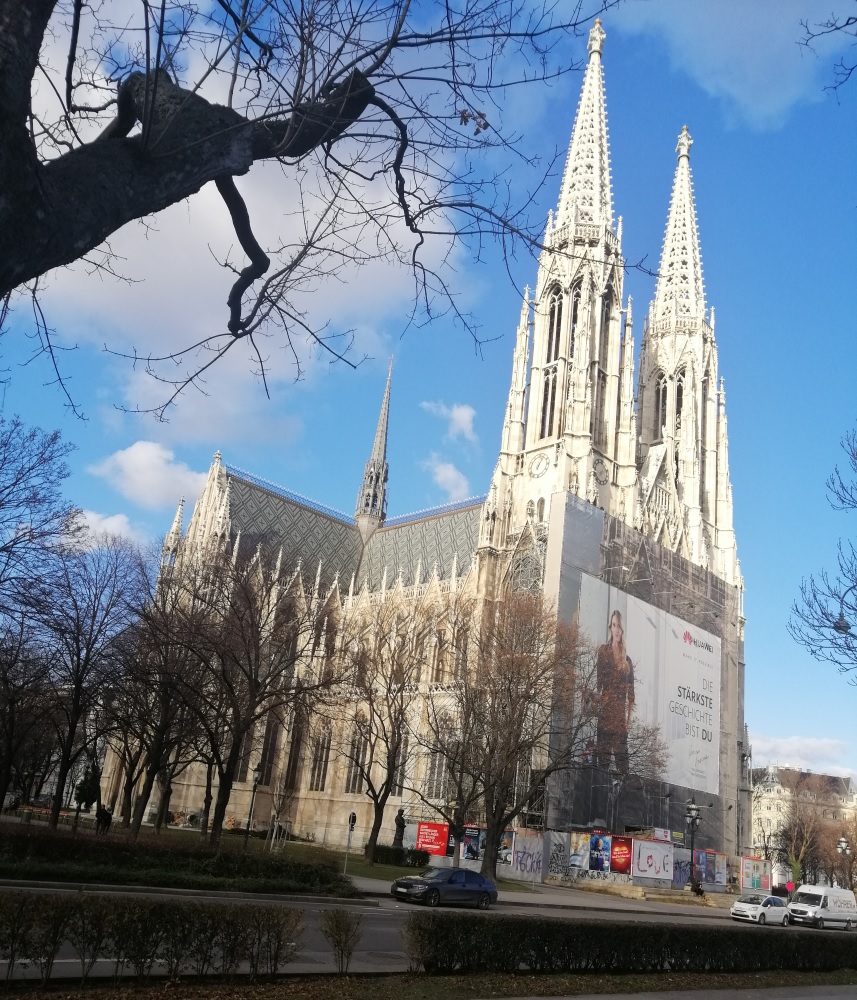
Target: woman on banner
[614, 675]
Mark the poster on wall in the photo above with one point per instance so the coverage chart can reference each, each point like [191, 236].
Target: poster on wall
[432, 837]
[599, 852]
[756, 874]
[578, 850]
[652, 859]
[620, 855]
[656, 670]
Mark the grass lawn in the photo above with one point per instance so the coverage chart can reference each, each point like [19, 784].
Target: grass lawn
[407, 987]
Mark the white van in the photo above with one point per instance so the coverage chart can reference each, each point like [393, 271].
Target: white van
[823, 906]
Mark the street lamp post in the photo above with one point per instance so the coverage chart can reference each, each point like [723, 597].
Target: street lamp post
[691, 818]
[257, 777]
[842, 625]
[843, 847]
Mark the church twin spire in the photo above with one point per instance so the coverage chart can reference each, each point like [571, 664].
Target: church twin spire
[586, 194]
[680, 293]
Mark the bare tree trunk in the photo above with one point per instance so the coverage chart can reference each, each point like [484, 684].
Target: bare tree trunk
[164, 804]
[378, 806]
[206, 802]
[226, 779]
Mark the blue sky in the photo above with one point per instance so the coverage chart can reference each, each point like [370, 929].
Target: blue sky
[775, 174]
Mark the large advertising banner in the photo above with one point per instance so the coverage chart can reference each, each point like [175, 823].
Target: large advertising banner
[756, 874]
[654, 669]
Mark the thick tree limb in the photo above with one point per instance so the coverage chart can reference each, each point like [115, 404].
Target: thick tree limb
[54, 213]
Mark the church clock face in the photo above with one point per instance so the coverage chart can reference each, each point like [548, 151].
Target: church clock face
[539, 465]
[600, 470]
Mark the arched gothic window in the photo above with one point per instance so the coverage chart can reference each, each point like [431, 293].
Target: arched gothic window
[554, 325]
[599, 410]
[540, 510]
[679, 397]
[660, 405]
[575, 317]
[548, 402]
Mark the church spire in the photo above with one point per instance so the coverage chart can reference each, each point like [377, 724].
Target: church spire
[586, 195]
[680, 294]
[371, 508]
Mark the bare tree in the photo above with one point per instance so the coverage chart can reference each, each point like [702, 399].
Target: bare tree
[824, 619]
[253, 634]
[83, 605]
[381, 112]
[23, 689]
[34, 516]
[382, 647]
[798, 840]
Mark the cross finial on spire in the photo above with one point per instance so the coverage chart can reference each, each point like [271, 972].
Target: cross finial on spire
[596, 38]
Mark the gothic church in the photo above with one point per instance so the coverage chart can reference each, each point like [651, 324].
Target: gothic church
[600, 472]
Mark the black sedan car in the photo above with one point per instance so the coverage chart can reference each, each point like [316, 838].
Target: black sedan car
[446, 885]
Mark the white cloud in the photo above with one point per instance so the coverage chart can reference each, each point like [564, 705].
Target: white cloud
[113, 524]
[448, 478]
[459, 419]
[148, 474]
[814, 753]
[747, 54]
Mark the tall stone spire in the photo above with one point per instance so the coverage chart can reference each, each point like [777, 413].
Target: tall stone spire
[371, 508]
[680, 293]
[586, 195]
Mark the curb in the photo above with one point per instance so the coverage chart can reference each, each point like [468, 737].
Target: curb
[267, 897]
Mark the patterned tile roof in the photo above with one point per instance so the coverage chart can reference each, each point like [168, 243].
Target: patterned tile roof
[308, 533]
[311, 533]
[428, 540]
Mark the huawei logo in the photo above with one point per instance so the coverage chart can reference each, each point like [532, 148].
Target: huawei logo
[688, 638]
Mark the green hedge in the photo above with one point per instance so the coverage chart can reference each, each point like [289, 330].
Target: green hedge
[450, 942]
[142, 936]
[405, 857]
[60, 856]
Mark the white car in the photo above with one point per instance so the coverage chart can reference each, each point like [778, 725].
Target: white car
[760, 909]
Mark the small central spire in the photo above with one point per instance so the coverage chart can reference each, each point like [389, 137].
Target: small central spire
[371, 508]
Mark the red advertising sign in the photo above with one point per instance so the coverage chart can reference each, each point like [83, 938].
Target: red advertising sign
[432, 837]
[620, 855]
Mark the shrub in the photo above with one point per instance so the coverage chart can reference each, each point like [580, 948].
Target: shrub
[273, 938]
[137, 933]
[342, 929]
[88, 930]
[448, 942]
[59, 856]
[406, 857]
[50, 915]
[15, 923]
